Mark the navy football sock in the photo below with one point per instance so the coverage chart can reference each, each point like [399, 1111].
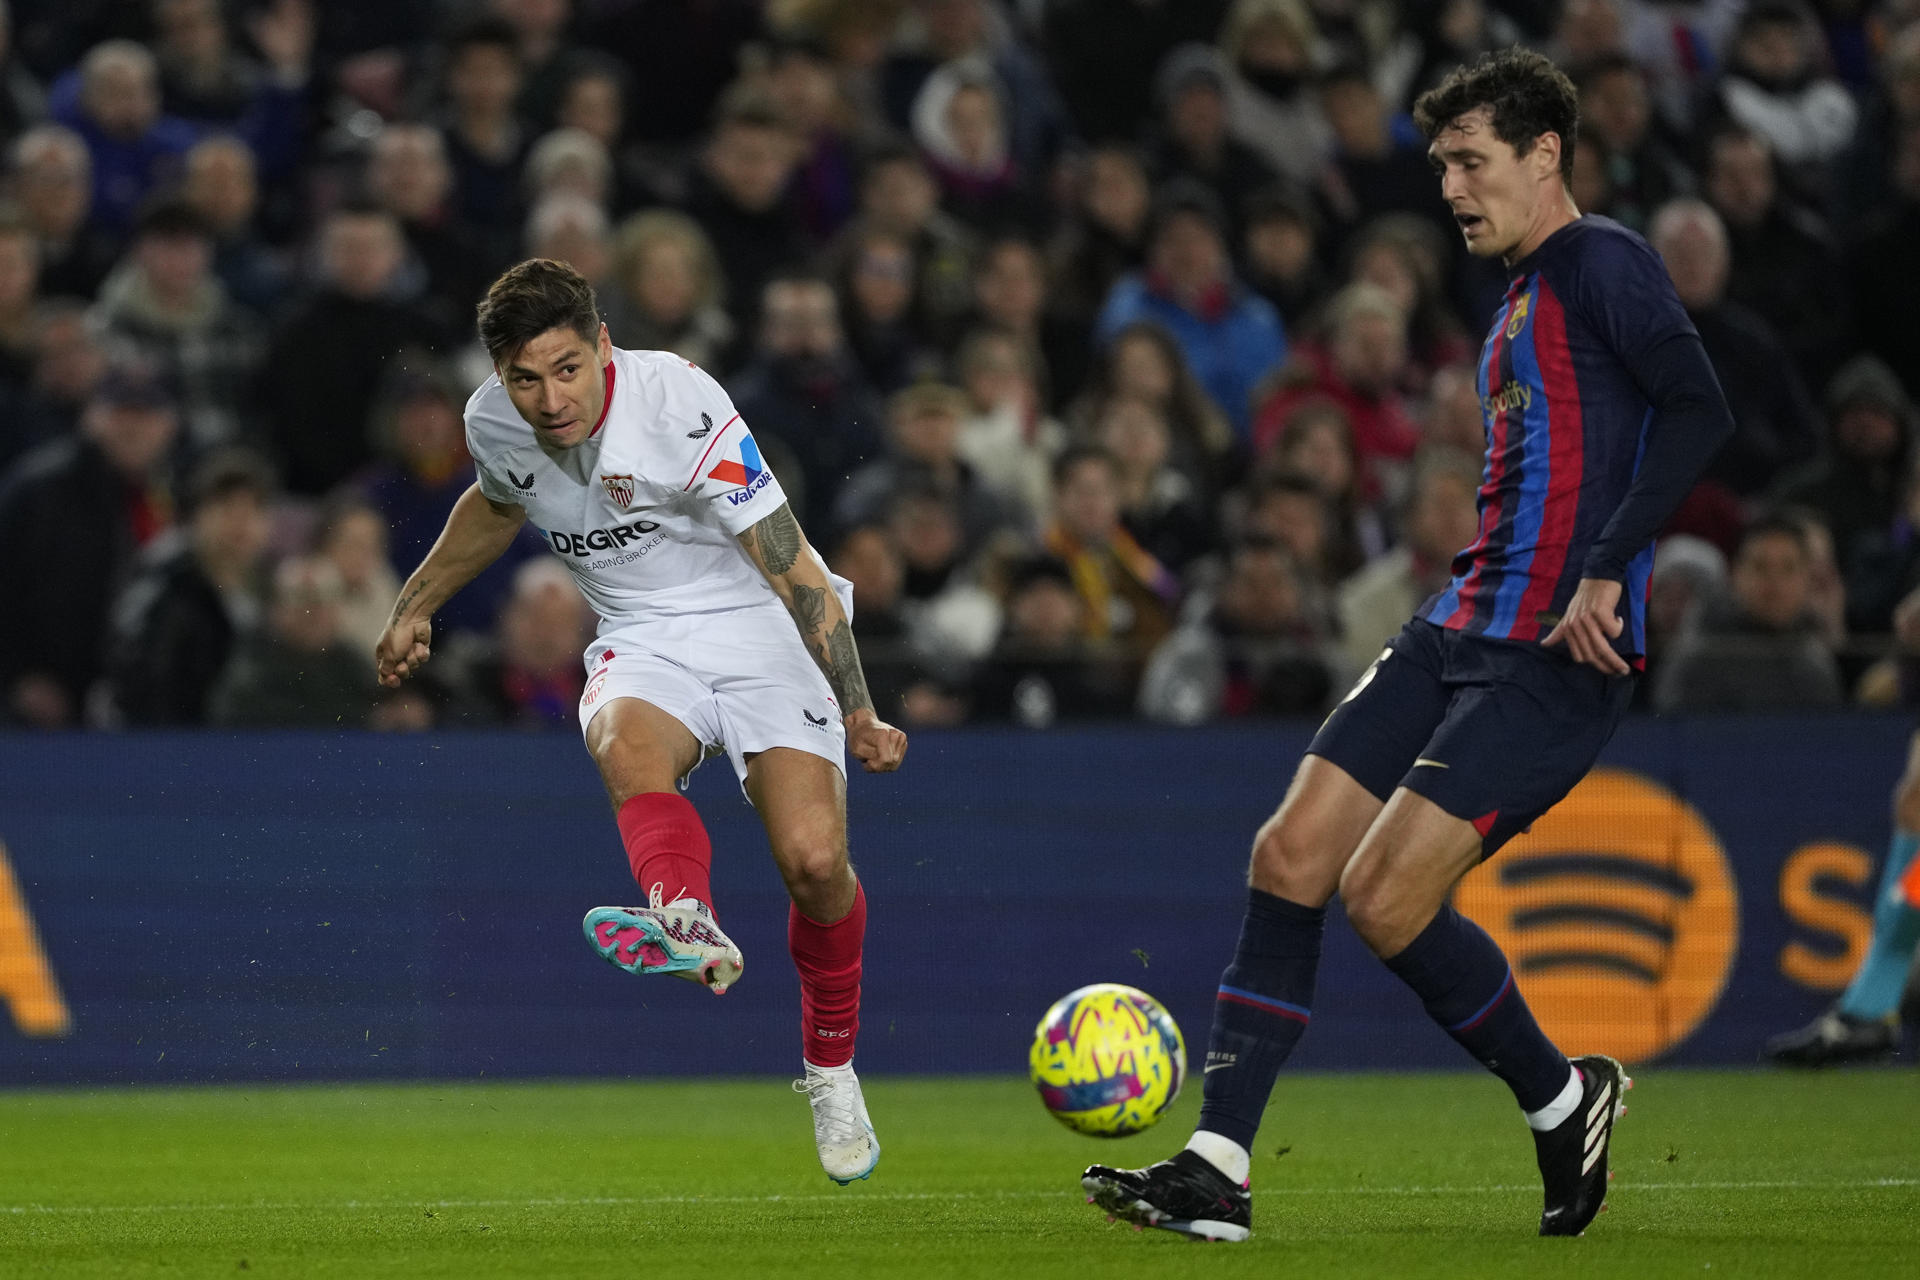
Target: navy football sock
[1467, 987]
[1260, 1012]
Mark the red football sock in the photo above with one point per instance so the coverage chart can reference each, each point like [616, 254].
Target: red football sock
[828, 958]
[667, 845]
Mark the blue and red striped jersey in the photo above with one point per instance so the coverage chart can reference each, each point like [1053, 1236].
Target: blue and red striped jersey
[1588, 340]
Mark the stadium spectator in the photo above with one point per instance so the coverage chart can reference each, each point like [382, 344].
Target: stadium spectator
[594, 100]
[423, 469]
[1130, 598]
[1192, 138]
[1439, 521]
[1785, 265]
[1887, 257]
[923, 453]
[409, 176]
[68, 360]
[664, 293]
[1232, 338]
[87, 504]
[1253, 653]
[1359, 367]
[210, 84]
[950, 613]
[1857, 486]
[877, 297]
[1761, 649]
[1104, 236]
[165, 303]
[19, 286]
[1379, 161]
[52, 179]
[801, 80]
[1642, 169]
[112, 100]
[1103, 56]
[23, 101]
[739, 195]
[193, 595]
[942, 33]
[298, 670]
[324, 360]
[1316, 445]
[568, 162]
[812, 411]
[1269, 47]
[351, 535]
[1774, 424]
[572, 229]
[1145, 362]
[1159, 504]
[1891, 107]
[1405, 256]
[1045, 668]
[486, 140]
[1293, 511]
[548, 59]
[1008, 438]
[1774, 86]
[676, 83]
[220, 186]
[1689, 575]
[1010, 293]
[898, 194]
[528, 674]
[899, 675]
[1280, 252]
[1451, 416]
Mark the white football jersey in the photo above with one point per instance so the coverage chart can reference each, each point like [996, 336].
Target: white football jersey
[646, 509]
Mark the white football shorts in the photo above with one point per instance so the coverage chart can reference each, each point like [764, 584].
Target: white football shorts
[741, 680]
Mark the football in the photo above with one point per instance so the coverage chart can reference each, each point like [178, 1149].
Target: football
[1108, 1060]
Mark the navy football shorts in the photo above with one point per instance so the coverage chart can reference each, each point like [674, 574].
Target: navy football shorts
[1495, 732]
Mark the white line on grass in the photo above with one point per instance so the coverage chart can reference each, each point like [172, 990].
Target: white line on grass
[569, 1202]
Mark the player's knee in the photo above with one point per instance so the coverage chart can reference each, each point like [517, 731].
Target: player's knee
[812, 864]
[1373, 909]
[1289, 863]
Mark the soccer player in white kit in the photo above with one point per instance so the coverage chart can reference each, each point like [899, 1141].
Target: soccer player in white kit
[646, 483]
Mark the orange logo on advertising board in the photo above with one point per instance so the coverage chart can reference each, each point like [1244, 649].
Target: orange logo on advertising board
[27, 987]
[1619, 913]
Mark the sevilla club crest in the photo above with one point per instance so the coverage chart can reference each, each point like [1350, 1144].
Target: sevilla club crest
[619, 488]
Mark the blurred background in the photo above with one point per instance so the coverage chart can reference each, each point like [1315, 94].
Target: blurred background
[1119, 351]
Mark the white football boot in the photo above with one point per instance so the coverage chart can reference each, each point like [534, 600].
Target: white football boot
[841, 1130]
[679, 937]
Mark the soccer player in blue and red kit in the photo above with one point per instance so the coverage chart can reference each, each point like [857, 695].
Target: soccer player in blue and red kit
[1600, 410]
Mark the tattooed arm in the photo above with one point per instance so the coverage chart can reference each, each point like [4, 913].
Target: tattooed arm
[478, 532]
[799, 578]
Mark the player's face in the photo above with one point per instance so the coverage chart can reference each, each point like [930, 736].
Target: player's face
[1493, 192]
[557, 383]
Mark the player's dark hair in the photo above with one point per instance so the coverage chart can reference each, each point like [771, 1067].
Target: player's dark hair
[531, 298]
[1526, 94]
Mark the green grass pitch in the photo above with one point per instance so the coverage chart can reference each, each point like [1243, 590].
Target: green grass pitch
[1731, 1174]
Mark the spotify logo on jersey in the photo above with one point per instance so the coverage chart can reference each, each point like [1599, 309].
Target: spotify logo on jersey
[1619, 913]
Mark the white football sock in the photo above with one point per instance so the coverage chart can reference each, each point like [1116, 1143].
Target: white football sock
[1224, 1154]
[1550, 1116]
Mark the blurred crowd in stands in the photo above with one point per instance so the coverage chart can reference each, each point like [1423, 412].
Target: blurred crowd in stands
[1121, 352]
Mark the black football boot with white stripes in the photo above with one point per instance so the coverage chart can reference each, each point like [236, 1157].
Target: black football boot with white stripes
[1573, 1155]
[1185, 1194]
